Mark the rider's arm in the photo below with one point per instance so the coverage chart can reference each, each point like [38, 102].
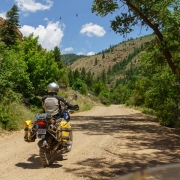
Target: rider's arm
[61, 99]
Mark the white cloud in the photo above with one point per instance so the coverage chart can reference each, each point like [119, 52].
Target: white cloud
[69, 49]
[3, 15]
[46, 19]
[90, 53]
[80, 53]
[32, 5]
[49, 36]
[91, 29]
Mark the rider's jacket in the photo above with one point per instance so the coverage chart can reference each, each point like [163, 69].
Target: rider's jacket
[52, 104]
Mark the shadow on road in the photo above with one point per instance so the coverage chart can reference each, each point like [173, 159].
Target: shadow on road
[140, 143]
[34, 162]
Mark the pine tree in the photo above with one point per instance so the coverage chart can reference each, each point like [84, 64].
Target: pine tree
[76, 74]
[71, 78]
[9, 31]
[103, 76]
[89, 79]
[83, 74]
[57, 57]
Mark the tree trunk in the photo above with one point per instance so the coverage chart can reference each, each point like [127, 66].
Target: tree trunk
[165, 52]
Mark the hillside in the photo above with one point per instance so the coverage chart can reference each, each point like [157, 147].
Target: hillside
[107, 59]
[2, 22]
[70, 58]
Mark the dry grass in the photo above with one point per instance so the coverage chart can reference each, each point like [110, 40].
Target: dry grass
[85, 102]
[119, 53]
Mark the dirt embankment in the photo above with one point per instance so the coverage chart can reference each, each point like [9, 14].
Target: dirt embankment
[108, 142]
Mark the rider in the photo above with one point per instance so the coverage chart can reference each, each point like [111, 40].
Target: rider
[52, 103]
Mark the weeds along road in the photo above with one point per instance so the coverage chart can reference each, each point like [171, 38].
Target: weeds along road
[108, 142]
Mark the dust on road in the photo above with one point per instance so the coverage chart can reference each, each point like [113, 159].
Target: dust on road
[108, 142]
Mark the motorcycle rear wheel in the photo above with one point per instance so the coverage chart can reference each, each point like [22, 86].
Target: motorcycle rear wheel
[46, 154]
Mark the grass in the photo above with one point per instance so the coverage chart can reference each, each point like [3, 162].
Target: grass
[17, 113]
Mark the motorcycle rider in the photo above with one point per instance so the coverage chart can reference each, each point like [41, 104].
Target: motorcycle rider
[52, 103]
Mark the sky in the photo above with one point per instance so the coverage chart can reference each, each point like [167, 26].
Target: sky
[68, 24]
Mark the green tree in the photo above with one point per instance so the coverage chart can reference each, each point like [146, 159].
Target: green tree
[83, 74]
[57, 57]
[79, 85]
[42, 68]
[157, 15]
[103, 56]
[96, 62]
[14, 78]
[98, 87]
[77, 75]
[89, 79]
[103, 76]
[9, 31]
[71, 77]
[157, 88]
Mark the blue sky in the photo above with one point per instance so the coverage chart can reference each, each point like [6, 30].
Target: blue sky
[69, 24]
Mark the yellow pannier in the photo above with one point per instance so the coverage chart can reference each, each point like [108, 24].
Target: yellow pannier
[28, 137]
[64, 131]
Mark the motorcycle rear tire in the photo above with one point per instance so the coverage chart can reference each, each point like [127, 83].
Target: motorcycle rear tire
[46, 154]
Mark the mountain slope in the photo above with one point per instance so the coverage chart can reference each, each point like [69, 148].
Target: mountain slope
[107, 59]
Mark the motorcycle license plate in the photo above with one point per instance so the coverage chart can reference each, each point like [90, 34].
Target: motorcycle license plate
[41, 131]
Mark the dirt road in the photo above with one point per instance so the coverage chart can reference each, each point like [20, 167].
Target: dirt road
[108, 142]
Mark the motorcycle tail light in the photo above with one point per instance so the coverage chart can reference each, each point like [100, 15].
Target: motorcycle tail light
[41, 123]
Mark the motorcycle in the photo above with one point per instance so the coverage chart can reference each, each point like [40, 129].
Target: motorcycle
[55, 134]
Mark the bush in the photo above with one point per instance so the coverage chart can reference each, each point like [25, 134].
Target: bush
[80, 86]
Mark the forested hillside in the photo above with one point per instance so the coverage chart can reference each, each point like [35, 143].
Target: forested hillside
[114, 61]
[70, 58]
[140, 72]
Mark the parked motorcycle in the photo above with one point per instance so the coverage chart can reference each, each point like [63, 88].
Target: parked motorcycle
[55, 134]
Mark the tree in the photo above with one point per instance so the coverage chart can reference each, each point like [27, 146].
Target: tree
[157, 15]
[103, 56]
[83, 74]
[76, 75]
[103, 76]
[96, 62]
[89, 79]
[42, 68]
[79, 85]
[71, 77]
[57, 57]
[9, 31]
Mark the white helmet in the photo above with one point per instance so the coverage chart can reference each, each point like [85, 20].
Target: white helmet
[53, 87]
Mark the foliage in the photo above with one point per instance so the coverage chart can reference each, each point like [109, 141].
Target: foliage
[104, 97]
[42, 68]
[157, 89]
[13, 75]
[9, 32]
[99, 87]
[57, 57]
[157, 15]
[70, 58]
[121, 94]
[80, 86]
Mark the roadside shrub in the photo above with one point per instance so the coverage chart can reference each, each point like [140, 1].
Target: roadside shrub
[80, 86]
